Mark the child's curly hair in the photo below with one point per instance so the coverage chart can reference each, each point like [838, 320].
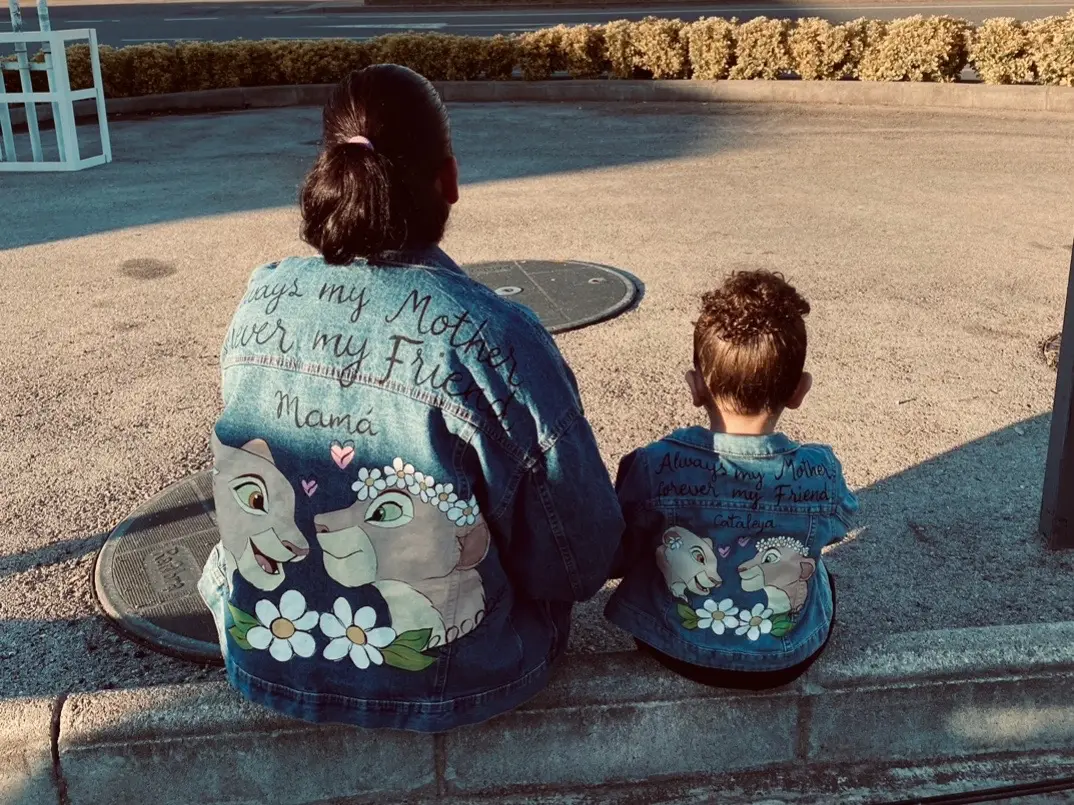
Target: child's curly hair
[750, 342]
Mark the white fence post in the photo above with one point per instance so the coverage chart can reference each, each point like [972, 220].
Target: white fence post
[25, 80]
[59, 95]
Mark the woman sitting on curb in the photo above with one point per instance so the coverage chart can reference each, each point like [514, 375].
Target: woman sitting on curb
[409, 496]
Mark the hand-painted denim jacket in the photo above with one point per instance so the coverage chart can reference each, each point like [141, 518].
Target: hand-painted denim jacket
[408, 493]
[722, 554]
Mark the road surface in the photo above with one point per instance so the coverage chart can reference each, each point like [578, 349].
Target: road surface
[136, 23]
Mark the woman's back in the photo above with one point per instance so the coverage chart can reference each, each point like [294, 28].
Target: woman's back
[403, 481]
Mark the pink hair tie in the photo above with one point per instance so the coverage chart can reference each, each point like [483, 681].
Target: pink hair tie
[359, 140]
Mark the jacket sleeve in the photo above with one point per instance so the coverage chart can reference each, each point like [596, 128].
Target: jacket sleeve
[567, 520]
[846, 503]
[632, 490]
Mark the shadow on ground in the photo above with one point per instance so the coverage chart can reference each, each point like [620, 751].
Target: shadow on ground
[177, 168]
[973, 509]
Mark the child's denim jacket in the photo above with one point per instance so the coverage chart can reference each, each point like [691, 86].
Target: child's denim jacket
[722, 554]
[408, 494]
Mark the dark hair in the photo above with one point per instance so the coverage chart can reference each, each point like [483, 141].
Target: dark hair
[750, 342]
[367, 198]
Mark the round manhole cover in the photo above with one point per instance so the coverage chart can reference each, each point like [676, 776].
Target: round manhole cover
[564, 295]
[147, 572]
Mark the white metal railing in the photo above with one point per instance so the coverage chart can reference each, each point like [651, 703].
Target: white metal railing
[59, 95]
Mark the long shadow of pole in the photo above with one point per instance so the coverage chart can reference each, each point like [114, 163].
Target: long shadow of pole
[1057, 506]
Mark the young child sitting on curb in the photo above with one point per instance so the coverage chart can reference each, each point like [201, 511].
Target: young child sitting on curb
[723, 577]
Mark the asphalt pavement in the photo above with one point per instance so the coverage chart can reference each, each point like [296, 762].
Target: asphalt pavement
[933, 246]
[135, 23]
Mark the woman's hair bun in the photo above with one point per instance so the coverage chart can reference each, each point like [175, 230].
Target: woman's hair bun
[751, 304]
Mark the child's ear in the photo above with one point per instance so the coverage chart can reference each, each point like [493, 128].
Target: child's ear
[804, 385]
[698, 391]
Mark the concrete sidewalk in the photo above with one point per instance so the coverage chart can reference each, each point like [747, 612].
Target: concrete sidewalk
[933, 245]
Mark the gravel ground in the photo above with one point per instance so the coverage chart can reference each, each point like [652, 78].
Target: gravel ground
[933, 246]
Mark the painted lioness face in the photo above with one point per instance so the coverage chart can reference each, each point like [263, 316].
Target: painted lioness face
[396, 535]
[255, 510]
[688, 562]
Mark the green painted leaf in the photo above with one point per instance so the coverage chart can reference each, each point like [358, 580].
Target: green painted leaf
[781, 628]
[406, 659]
[242, 620]
[781, 619]
[239, 636]
[686, 613]
[417, 639]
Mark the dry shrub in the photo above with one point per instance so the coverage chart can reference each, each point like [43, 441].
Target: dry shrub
[825, 52]
[323, 61]
[711, 47]
[540, 53]
[206, 65]
[1051, 46]
[583, 51]
[79, 68]
[660, 48]
[1000, 52]
[918, 49]
[619, 48]
[499, 56]
[762, 49]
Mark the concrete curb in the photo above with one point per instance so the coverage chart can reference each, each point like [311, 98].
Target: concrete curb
[992, 701]
[846, 93]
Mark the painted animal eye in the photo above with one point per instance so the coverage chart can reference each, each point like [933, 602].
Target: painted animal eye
[250, 494]
[771, 556]
[699, 556]
[390, 510]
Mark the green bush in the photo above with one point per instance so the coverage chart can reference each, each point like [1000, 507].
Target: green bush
[711, 48]
[821, 51]
[323, 61]
[918, 49]
[1051, 46]
[762, 49]
[1000, 52]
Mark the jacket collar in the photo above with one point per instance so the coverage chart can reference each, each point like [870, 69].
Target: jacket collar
[734, 445]
[432, 257]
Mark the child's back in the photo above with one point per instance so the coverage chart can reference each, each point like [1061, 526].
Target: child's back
[723, 577]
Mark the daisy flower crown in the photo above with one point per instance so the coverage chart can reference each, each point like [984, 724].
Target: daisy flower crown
[786, 543]
[401, 475]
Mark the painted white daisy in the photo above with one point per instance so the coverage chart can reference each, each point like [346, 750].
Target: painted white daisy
[357, 635]
[464, 512]
[369, 484]
[399, 475]
[284, 631]
[445, 496]
[423, 486]
[718, 617]
[755, 623]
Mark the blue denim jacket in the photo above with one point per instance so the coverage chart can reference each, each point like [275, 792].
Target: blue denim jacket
[408, 493]
[722, 554]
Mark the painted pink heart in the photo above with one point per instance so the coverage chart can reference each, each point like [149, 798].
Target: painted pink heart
[743, 541]
[309, 487]
[725, 552]
[342, 455]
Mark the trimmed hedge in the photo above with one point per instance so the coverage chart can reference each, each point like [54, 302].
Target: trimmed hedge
[1001, 51]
